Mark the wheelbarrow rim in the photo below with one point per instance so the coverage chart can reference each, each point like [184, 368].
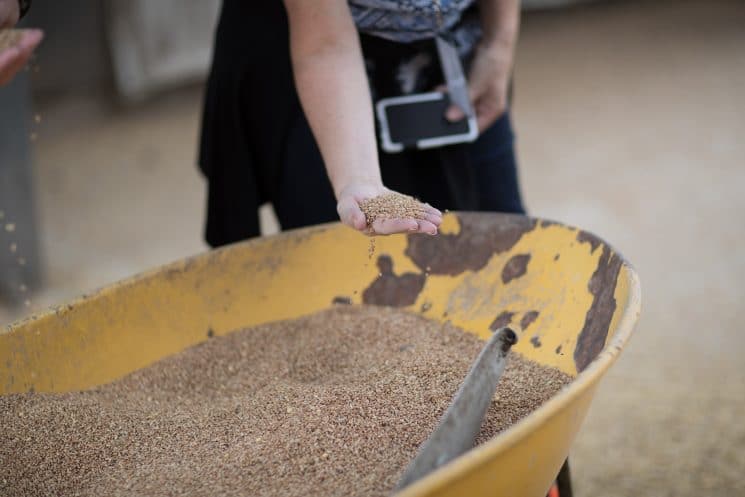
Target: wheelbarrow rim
[588, 378]
[481, 455]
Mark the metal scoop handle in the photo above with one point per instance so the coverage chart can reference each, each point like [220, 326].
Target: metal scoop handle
[461, 423]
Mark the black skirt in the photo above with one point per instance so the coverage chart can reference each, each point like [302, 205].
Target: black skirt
[256, 145]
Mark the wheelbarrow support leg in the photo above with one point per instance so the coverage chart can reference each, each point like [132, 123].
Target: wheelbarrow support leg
[564, 480]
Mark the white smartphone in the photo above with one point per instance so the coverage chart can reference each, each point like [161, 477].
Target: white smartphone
[418, 121]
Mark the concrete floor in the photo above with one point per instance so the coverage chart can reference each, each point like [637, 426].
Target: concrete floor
[631, 118]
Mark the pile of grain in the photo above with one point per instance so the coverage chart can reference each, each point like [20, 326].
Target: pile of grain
[392, 206]
[333, 404]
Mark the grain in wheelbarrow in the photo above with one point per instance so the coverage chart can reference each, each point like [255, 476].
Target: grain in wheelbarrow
[332, 404]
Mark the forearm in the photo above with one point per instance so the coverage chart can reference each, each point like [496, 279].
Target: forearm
[333, 91]
[500, 20]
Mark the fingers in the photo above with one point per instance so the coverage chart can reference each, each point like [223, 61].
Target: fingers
[31, 39]
[488, 101]
[9, 60]
[427, 227]
[8, 55]
[350, 214]
[491, 104]
[485, 120]
[434, 216]
[15, 58]
[432, 219]
[431, 210]
[487, 113]
[454, 114]
[16, 66]
[392, 226]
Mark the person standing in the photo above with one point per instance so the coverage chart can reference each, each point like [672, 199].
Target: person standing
[288, 111]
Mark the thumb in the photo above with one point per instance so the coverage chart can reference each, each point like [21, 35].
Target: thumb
[454, 113]
[350, 213]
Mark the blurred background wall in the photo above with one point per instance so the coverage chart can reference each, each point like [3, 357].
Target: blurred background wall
[129, 47]
[135, 48]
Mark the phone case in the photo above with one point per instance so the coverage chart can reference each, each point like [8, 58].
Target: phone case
[418, 121]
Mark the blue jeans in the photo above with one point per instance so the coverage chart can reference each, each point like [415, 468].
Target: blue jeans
[495, 168]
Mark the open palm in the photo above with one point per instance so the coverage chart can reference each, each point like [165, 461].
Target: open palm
[351, 214]
[15, 57]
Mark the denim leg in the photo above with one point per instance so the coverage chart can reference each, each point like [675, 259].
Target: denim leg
[495, 168]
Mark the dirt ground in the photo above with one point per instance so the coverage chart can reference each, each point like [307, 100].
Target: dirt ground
[630, 119]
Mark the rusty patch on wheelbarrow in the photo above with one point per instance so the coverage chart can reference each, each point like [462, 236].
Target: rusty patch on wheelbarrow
[602, 286]
[480, 237]
[585, 237]
[528, 319]
[391, 290]
[515, 267]
[504, 318]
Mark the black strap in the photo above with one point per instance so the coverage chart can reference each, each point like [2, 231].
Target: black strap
[23, 6]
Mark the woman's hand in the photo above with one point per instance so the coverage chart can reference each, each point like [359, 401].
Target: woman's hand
[14, 59]
[489, 77]
[350, 213]
[488, 83]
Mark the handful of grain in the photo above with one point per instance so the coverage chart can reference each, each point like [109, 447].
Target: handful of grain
[392, 206]
[9, 38]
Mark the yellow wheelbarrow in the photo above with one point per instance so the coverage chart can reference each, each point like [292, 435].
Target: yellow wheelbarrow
[572, 299]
